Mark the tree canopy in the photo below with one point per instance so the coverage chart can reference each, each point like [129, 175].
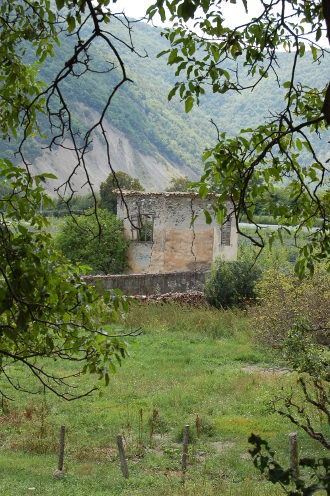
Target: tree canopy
[208, 53]
[117, 180]
[178, 184]
[104, 254]
[47, 311]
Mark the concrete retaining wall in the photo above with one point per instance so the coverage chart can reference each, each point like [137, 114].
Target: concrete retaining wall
[148, 284]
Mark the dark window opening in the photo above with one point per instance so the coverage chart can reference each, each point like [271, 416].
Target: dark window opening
[225, 233]
[144, 227]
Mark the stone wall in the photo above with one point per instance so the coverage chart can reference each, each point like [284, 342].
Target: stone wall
[148, 284]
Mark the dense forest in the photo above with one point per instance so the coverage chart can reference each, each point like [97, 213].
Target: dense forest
[154, 128]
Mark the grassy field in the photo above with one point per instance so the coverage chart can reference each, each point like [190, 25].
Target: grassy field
[187, 362]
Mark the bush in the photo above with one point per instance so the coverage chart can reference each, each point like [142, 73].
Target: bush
[79, 242]
[232, 283]
[286, 301]
[282, 256]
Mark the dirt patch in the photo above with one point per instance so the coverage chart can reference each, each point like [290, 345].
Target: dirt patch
[270, 371]
[96, 453]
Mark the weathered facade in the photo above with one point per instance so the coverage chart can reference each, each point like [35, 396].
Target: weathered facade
[164, 238]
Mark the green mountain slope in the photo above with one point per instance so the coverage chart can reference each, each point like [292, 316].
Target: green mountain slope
[150, 137]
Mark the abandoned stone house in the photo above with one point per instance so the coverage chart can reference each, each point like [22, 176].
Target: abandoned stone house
[164, 239]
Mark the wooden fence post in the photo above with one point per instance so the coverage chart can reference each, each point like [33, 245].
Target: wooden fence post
[62, 444]
[59, 472]
[198, 427]
[294, 456]
[122, 458]
[185, 452]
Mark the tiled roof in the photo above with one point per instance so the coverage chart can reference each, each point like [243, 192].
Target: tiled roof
[166, 194]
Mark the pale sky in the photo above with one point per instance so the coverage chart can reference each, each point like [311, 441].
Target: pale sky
[133, 8]
[137, 8]
[235, 13]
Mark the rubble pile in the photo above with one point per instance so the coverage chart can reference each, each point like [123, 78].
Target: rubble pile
[194, 298]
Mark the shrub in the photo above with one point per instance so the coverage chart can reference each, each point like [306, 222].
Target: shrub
[104, 254]
[281, 256]
[284, 301]
[231, 283]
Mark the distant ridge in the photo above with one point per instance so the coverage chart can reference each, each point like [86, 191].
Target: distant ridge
[151, 138]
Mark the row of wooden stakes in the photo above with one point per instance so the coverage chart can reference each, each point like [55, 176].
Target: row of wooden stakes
[293, 449]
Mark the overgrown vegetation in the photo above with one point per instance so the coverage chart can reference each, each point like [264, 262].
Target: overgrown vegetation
[285, 301]
[187, 362]
[293, 317]
[81, 242]
[47, 313]
[232, 282]
[306, 405]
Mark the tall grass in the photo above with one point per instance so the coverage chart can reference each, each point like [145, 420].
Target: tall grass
[187, 362]
[203, 321]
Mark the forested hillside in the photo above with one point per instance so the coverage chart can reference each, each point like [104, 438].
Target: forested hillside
[151, 138]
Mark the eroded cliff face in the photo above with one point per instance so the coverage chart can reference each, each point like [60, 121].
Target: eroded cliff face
[153, 171]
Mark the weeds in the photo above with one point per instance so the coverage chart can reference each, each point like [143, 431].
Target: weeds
[188, 367]
[197, 323]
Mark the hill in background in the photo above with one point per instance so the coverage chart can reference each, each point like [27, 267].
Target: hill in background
[151, 138]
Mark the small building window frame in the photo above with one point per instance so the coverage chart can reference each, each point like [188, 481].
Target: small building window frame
[226, 232]
[143, 228]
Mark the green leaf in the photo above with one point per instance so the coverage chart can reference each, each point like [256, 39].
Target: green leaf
[314, 52]
[161, 12]
[164, 52]
[71, 23]
[216, 53]
[225, 73]
[206, 155]
[220, 216]
[48, 175]
[302, 49]
[172, 93]
[173, 55]
[208, 217]
[187, 9]
[203, 190]
[189, 103]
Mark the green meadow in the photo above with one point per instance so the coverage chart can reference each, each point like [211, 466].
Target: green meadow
[187, 362]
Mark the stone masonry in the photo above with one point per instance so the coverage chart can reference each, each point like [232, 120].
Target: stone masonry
[164, 239]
